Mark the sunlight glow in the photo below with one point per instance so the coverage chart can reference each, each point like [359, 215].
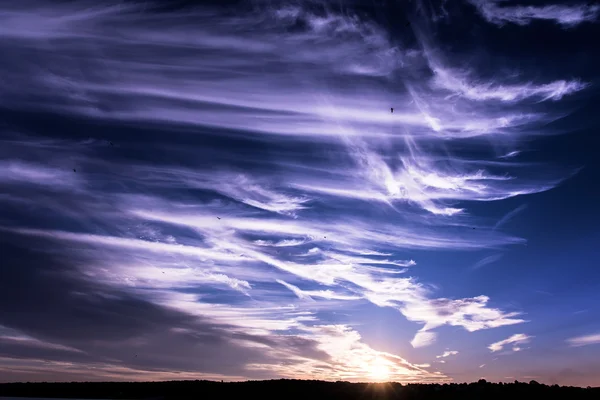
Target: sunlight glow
[379, 371]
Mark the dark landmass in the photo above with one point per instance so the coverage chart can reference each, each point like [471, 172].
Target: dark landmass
[294, 389]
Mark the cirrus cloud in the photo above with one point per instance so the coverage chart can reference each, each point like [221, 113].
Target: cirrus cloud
[228, 194]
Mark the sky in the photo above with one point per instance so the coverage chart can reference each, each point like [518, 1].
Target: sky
[220, 190]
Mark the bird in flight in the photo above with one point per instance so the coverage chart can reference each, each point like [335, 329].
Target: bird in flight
[392, 109]
[218, 217]
[74, 170]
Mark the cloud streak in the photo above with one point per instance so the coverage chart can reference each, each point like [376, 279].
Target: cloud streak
[493, 11]
[514, 340]
[486, 261]
[199, 184]
[585, 340]
[447, 353]
[510, 215]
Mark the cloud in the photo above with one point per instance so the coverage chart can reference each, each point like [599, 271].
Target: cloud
[158, 337]
[522, 15]
[101, 319]
[246, 192]
[351, 359]
[34, 174]
[487, 260]
[423, 339]
[243, 189]
[515, 339]
[296, 290]
[326, 294]
[511, 154]
[470, 313]
[405, 294]
[461, 84]
[510, 215]
[447, 353]
[282, 243]
[584, 340]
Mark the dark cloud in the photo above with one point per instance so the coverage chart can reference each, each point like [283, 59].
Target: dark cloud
[43, 295]
[31, 349]
[221, 149]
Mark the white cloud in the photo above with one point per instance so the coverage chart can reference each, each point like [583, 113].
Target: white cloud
[470, 313]
[423, 339]
[281, 243]
[584, 340]
[332, 226]
[487, 260]
[17, 338]
[566, 15]
[447, 353]
[511, 154]
[516, 339]
[405, 294]
[510, 215]
[461, 84]
[351, 359]
[309, 294]
[35, 174]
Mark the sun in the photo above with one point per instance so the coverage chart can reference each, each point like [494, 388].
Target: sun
[379, 371]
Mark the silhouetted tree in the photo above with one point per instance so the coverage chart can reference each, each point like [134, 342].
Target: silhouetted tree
[294, 389]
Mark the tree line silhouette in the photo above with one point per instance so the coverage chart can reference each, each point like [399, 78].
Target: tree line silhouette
[286, 389]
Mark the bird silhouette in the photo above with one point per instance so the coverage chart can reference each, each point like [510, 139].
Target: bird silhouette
[392, 110]
[74, 170]
[218, 217]
[111, 143]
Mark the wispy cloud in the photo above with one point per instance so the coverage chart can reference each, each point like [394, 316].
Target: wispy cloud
[584, 340]
[461, 84]
[486, 261]
[510, 215]
[566, 15]
[249, 191]
[352, 359]
[423, 339]
[511, 154]
[447, 353]
[515, 340]
[326, 294]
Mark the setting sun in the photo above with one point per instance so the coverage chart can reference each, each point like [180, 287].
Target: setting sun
[379, 371]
